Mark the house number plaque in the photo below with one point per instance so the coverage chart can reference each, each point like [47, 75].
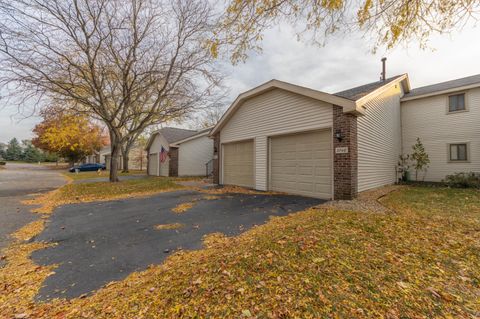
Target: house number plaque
[341, 150]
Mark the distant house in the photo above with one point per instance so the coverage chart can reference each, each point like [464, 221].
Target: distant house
[137, 158]
[283, 137]
[179, 152]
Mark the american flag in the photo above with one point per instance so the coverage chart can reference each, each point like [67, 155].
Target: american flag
[163, 155]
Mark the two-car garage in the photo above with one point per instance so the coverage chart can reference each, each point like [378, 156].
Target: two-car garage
[298, 163]
[278, 137]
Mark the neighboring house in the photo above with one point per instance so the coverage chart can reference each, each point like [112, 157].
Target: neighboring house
[179, 152]
[446, 117]
[137, 158]
[195, 154]
[287, 138]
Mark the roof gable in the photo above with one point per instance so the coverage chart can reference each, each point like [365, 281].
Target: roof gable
[171, 135]
[275, 84]
[359, 92]
[200, 133]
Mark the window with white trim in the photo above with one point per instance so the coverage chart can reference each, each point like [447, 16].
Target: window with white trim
[456, 102]
[458, 152]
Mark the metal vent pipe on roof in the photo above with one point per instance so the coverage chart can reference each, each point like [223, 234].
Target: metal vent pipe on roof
[384, 71]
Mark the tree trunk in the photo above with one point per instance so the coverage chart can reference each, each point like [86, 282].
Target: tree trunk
[116, 148]
[125, 153]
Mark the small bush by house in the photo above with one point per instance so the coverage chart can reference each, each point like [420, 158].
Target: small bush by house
[463, 180]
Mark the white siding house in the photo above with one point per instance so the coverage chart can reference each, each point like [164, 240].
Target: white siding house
[156, 167]
[187, 151]
[194, 154]
[429, 119]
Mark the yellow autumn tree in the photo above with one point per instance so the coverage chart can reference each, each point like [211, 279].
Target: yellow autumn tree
[387, 22]
[71, 136]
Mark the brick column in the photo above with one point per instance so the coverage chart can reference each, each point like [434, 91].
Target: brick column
[216, 159]
[345, 165]
[173, 162]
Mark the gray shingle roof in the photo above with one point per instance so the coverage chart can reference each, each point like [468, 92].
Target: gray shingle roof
[360, 91]
[469, 80]
[173, 134]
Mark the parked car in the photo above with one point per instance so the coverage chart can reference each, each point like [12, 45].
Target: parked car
[87, 167]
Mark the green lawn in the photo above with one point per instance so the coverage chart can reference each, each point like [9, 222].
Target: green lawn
[423, 261]
[91, 175]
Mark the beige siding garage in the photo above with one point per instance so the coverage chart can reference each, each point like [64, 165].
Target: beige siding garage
[153, 164]
[238, 164]
[272, 113]
[302, 164]
[379, 140]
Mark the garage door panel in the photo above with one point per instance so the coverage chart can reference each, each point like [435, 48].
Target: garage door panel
[322, 189]
[152, 164]
[308, 187]
[323, 154]
[301, 164]
[238, 164]
[284, 163]
[304, 155]
[287, 171]
[305, 171]
[285, 156]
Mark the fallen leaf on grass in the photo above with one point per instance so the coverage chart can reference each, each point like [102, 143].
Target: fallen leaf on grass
[402, 285]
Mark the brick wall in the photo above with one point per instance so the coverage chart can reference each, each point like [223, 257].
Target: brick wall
[173, 162]
[216, 159]
[345, 166]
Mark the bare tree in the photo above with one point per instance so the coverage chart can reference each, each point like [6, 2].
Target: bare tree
[126, 148]
[128, 63]
[208, 117]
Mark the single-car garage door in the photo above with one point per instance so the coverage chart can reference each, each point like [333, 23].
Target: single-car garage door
[301, 164]
[238, 164]
[152, 164]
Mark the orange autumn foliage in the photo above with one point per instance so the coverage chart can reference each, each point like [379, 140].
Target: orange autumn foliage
[71, 136]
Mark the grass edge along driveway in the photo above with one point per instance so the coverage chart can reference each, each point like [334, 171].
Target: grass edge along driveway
[101, 191]
[95, 174]
[420, 262]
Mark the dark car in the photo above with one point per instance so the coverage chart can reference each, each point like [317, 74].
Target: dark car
[87, 167]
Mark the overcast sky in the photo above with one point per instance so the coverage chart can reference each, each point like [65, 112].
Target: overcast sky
[344, 62]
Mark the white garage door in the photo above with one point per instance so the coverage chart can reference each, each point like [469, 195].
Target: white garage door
[238, 164]
[152, 164]
[301, 164]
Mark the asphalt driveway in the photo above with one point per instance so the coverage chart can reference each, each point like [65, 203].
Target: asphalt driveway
[105, 241]
[18, 181]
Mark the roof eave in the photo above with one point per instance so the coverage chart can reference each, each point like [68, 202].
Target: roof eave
[177, 143]
[452, 90]
[403, 79]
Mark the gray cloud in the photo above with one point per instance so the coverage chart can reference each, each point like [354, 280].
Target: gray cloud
[345, 61]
